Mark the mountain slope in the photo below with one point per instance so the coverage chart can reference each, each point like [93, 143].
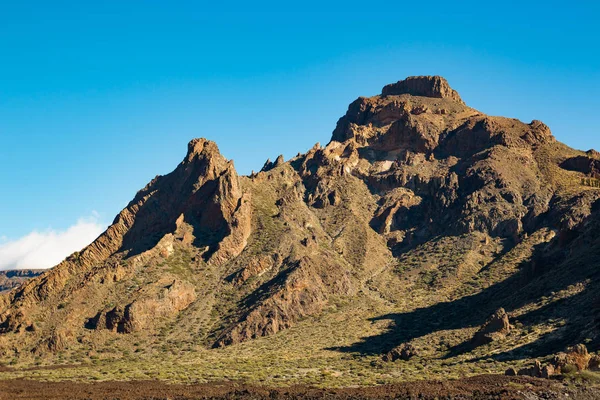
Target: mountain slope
[420, 211]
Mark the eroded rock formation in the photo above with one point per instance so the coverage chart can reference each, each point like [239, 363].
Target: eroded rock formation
[417, 200]
[495, 328]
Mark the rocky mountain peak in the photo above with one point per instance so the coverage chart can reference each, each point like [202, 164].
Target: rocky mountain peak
[202, 148]
[438, 209]
[426, 86]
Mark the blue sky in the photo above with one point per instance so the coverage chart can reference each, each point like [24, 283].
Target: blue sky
[96, 98]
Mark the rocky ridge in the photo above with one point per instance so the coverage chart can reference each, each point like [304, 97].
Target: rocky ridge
[418, 201]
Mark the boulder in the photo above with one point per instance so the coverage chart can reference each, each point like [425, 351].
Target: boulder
[594, 363]
[57, 340]
[495, 328]
[577, 356]
[535, 370]
[547, 371]
[403, 352]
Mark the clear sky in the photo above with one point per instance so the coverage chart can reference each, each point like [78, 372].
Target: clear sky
[96, 98]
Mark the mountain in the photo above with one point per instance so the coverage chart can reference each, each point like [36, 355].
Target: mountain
[420, 219]
[12, 278]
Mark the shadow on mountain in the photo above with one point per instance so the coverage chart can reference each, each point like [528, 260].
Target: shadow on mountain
[577, 326]
[465, 312]
[532, 282]
[157, 215]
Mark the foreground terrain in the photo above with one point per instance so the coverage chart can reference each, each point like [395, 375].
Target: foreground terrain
[425, 240]
[478, 387]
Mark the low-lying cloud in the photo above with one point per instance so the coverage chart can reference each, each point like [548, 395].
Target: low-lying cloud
[47, 248]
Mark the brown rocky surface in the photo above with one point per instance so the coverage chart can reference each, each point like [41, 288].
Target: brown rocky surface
[588, 165]
[576, 356]
[417, 221]
[478, 387]
[162, 300]
[269, 165]
[537, 370]
[534, 371]
[426, 86]
[593, 153]
[495, 328]
[403, 352]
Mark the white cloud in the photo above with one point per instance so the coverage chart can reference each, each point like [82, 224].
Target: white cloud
[48, 248]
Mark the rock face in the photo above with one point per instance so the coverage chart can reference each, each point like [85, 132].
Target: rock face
[594, 363]
[576, 356]
[426, 86]
[418, 203]
[269, 165]
[587, 165]
[495, 328]
[200, 205]
[167, 301]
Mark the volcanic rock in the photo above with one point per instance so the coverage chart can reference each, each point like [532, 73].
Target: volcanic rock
[269, 165]
[403, 352]
[495, 328]
[166, 301]
[535, 370]
[586, 165]
[427, 86]
[594, 363]
[577, 356]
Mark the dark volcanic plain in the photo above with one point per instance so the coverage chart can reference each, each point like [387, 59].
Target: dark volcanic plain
[477, 387]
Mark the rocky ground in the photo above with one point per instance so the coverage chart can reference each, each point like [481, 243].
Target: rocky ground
[478, 387]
